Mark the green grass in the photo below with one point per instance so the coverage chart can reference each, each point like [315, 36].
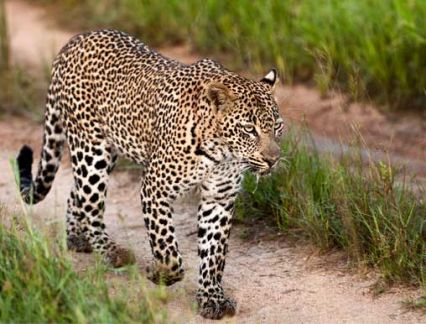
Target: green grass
[370, 49]
[349, 204]
[39, 285]
[22, 93]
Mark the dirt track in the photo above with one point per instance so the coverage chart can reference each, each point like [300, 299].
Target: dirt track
[272, 281]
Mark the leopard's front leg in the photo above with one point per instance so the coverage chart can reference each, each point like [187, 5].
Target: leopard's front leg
[166, 268]
[215, 212]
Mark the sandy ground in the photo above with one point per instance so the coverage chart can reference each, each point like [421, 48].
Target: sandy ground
[272, 281]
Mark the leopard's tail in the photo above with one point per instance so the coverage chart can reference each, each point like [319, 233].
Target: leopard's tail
[33, 191]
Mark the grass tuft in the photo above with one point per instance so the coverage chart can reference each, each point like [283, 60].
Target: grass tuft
[350, 204]
[38, 283]
[21, 93]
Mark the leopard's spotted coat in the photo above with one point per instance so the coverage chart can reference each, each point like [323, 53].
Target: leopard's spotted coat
[188, 125]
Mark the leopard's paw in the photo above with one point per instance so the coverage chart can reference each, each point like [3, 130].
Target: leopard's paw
[78, 243]
[119, 257]
[216, 308]
[161, 274]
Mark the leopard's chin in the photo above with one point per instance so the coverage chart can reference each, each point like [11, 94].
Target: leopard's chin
[261, 171]
[264, 172]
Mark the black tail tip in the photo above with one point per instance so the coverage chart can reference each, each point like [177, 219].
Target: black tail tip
[25, 158]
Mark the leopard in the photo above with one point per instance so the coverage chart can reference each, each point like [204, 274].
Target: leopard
[189, 126]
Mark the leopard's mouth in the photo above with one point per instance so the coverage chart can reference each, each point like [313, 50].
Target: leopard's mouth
[263, 169]
[264, 172]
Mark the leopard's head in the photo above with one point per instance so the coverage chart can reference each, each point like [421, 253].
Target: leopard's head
[248, 120]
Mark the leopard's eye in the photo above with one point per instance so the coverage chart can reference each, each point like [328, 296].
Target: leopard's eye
[278, 127]
[249, 129]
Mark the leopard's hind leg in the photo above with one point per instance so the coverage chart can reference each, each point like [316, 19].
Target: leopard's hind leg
[76, 240]
[92, 162]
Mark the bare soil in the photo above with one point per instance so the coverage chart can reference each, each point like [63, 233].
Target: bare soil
[273, 281]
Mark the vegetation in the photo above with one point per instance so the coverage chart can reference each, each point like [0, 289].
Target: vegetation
[21, 93]
[38, 283]
[349, 204]
[370, 48]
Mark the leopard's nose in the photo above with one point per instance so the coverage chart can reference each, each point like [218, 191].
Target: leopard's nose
[271, 154]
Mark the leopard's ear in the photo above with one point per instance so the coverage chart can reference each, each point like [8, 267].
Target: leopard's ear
[271, 78]
[220, 95]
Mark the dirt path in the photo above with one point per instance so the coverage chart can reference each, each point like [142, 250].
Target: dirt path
[33, 40]
[272, 281]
